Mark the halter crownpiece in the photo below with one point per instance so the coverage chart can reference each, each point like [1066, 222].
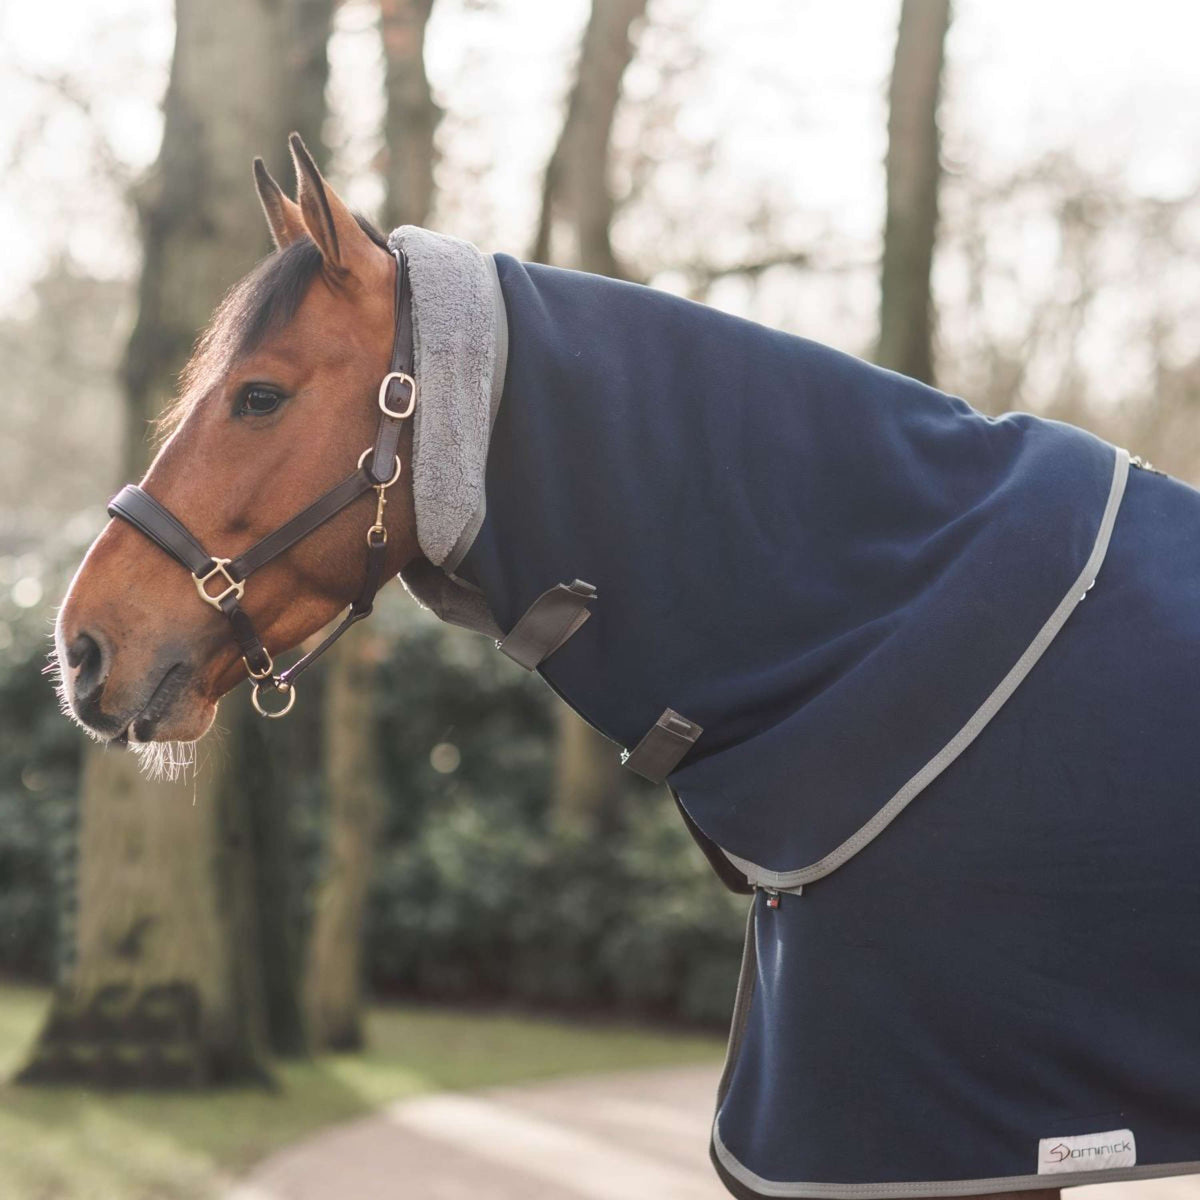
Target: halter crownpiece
[221, 582]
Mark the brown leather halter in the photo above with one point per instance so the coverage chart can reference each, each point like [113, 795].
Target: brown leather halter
[378, 469]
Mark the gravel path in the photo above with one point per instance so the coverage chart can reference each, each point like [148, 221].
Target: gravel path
[633, 1136]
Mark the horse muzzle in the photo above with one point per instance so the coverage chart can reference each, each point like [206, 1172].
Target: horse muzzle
[128, 702]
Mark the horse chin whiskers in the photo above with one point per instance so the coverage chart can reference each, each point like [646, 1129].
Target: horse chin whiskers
[165, 761]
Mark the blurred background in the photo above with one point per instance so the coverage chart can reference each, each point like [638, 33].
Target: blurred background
[432, 875]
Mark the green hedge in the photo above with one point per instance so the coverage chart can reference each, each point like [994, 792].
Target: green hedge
[476, 896]
[40, 756]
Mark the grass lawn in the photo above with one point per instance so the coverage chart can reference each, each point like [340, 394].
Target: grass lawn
[70, 1144]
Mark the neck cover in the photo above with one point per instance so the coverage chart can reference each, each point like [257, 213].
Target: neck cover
[460, 342]
[830, 568]
[871, 599]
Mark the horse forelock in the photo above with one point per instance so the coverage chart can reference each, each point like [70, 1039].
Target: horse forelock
[258, 305]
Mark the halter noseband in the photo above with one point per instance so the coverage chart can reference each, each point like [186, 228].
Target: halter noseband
[221, 582]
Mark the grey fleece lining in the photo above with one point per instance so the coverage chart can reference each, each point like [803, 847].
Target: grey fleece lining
[499, 365]
[784, 880]
[460, 339]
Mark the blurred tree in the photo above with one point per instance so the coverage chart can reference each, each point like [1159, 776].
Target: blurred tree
[913, 175]
[58, 395]
[167, 985]
[353, 817]
[411, 116]
[333, 983]
[574, 230]
[1096, 335]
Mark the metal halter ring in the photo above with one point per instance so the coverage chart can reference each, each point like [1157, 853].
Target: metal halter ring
[275, 686]
[404, 377]
[362, 458]
[234, 587]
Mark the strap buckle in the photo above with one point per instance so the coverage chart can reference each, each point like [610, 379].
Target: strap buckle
[404, 377]
[266, 672]
[233, 587]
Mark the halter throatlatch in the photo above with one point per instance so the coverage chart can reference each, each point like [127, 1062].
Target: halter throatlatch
[221, 582]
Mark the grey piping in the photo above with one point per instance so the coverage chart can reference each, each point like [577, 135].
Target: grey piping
[939, 1187]
[783, 880]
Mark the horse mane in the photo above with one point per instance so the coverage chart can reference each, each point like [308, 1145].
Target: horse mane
[262, 302]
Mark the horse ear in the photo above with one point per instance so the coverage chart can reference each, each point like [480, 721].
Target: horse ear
[340, 238]
[283, 215]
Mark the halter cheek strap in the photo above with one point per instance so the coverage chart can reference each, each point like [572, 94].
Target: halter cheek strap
[221, 582]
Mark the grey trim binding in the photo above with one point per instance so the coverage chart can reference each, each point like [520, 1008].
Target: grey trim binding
[783, 880]
[937, 1187]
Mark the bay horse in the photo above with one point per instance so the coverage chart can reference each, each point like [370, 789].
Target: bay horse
[922, 682]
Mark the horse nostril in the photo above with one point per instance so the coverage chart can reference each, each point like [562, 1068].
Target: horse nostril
[86, 659]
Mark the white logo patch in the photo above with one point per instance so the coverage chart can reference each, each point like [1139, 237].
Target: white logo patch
[1087, 1152]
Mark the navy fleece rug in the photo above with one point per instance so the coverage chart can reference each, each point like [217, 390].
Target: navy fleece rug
[945, 669]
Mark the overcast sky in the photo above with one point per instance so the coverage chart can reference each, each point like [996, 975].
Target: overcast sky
[791, 89]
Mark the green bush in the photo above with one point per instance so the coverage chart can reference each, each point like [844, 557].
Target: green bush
[39, 768]
[477, 898]
[477, 906]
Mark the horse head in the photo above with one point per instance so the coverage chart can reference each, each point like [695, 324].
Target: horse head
[275, 407]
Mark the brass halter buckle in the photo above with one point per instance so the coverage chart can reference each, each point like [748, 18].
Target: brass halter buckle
[412, 395]
[233, 587]
[267, 671]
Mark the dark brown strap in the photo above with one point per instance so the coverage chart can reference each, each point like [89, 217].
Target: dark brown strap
[398, 396]
[254, 653]
[360, 608]
[548, 622]
[149, 517]
[663, 747]
[323, 509]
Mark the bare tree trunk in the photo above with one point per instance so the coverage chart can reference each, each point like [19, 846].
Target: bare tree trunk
[913, 175]
[305, 108]
[167, 986]
[577, 200]
[333, 983]
[333, 993]
[574, 230]
[411, 117]
[589, 780]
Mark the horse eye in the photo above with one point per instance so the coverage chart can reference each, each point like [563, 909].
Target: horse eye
[257, 401]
